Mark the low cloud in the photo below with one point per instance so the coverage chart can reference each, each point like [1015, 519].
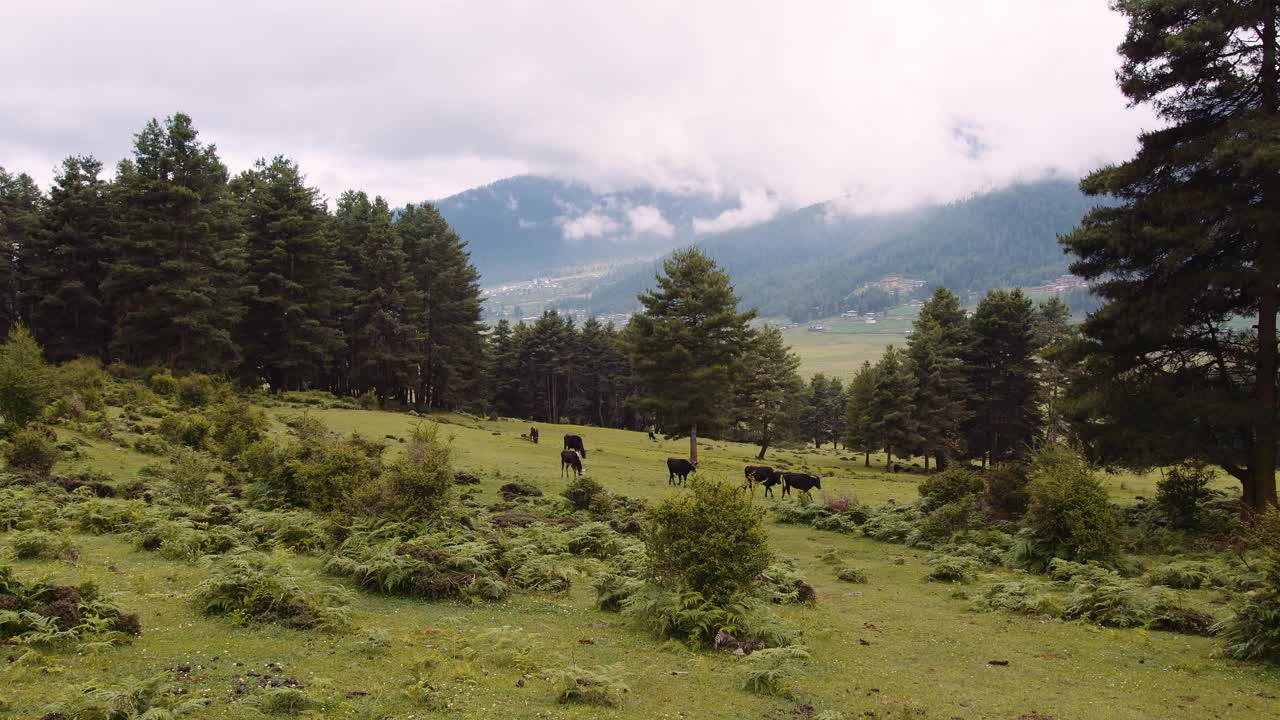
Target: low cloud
[648, 220]
[593, 224]
[754, 207]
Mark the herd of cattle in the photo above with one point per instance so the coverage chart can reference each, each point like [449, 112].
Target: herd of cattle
[678, 470]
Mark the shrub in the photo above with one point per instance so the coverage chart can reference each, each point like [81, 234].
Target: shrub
[852, 575]
[41, 545]
[1252, 632]
[429, 566]
[783, 585]
[589, 687]
[1183, 575]
[32, 451]
[711, 540]
[249, 586]
[419, 483]
[368, 401]
[770, 671]
[614, 589]
[164, 384]
[1027, 595]
[692, 618]
[152, 445]
[188, 477]
[954, 483]
[582, 491]
[234, 425]
[951, 518]
[40, 613]
[25, 378]
[1069, 512]
[1006, 487]
[952, 568]
[186, 429]
[153, 699]
[284, 701]
[325, 476]
[1181, 494]
[197, 390]
[512, 490]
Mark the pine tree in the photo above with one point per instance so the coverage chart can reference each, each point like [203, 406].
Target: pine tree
[1190, 248]
[21, 204]
[1002, 367]
[893, 421]
[176, 278]
[1054, 335]
[858, 431]
[506, 389]
[448, 287]
[602, 368]
[940, 389]
[767, 387]
[64, 265]
[816, 401]
[382, 337]
[686, 343]
[289, 334]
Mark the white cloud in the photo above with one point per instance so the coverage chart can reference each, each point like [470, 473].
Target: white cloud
[593, 224]
[416, 101]
[648, 220]
[754, 207]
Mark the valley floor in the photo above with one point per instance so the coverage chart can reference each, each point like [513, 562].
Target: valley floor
[898, 646]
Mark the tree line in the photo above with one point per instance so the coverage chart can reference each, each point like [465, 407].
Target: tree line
[174, 262]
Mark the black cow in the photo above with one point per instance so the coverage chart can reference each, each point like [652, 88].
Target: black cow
[755, 474]
[574, 442]
[679, 467]
[570, 459]
[804, 482]
[533, 435]
[773, 479]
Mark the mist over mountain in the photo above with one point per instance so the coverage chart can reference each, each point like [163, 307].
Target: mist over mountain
[804, 264]
[525, 226]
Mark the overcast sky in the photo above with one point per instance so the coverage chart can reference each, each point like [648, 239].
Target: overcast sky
[781, 104]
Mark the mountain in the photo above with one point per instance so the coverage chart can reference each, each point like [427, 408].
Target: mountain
[807, 263]
[525, 226]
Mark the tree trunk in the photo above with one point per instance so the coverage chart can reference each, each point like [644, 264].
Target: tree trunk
[1266, 434]
[693, 444]
[764, 443]
[926, 463]
[866, 458]
[888, 459]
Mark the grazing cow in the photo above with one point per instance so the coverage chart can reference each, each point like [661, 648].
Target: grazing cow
[804, 482]
[679, 468]
[533, 435]
[774, 478]
[574, 442]
[570, 459]
[756, 474]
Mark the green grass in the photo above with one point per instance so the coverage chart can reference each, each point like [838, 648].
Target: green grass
[925, 654]
[842, 348]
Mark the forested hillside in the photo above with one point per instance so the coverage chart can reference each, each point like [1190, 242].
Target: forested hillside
[524, 226]
[805, 263]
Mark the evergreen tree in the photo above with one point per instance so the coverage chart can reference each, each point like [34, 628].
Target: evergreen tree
[175, 281]
[601, 376]
[448, 312]
[768, 387]
[1002, 367]
[1054, 334]
[289, 334]
[686, 343]
[504, 371]
[940, 389]
[813, 417]
[21, 203]
[64, 264]
[893, 421]
[1190, 248]
[382, 338]
[858, 432]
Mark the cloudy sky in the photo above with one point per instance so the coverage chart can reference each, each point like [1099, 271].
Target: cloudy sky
[781, 104]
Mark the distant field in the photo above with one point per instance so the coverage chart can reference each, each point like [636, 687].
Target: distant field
[839, 350]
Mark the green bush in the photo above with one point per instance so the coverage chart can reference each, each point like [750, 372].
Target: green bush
[711, 541]
[1252, 632]
[1006, 487]
[1069, 512]
[389, 559]
[690, 617]
[249, 586]
[852, 575]
[368, 401]
[418, 484]
[26, 380]
[582, 491]
[152, 699]
[42, 545]
[589, 687]
[1027, 595]
[40, 613]
[953, 569]
[152, 445]
[197, 390]
[954, 483]
[770, 671]
[164, 384]
[953, 517]
[32, 451]
[1182, 575]
[1182, 493]
[187, 429]
[234, 426]
[189, 477]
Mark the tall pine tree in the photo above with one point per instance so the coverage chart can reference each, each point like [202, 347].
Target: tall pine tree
[1002, 367]
[1190, 247]
[176, 277]
[893, 421]
[21, 203]
[859, 433]
[767, 388]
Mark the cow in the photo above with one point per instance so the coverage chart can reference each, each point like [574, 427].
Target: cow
[652, 436]
[570, 459]
[533, 435]
[755, 474]
[574, 442]
[679, 467]
[774, 478]
[804, 482]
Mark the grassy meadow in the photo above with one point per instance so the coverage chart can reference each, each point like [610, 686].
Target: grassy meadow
[897, 646]
[846, 343]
